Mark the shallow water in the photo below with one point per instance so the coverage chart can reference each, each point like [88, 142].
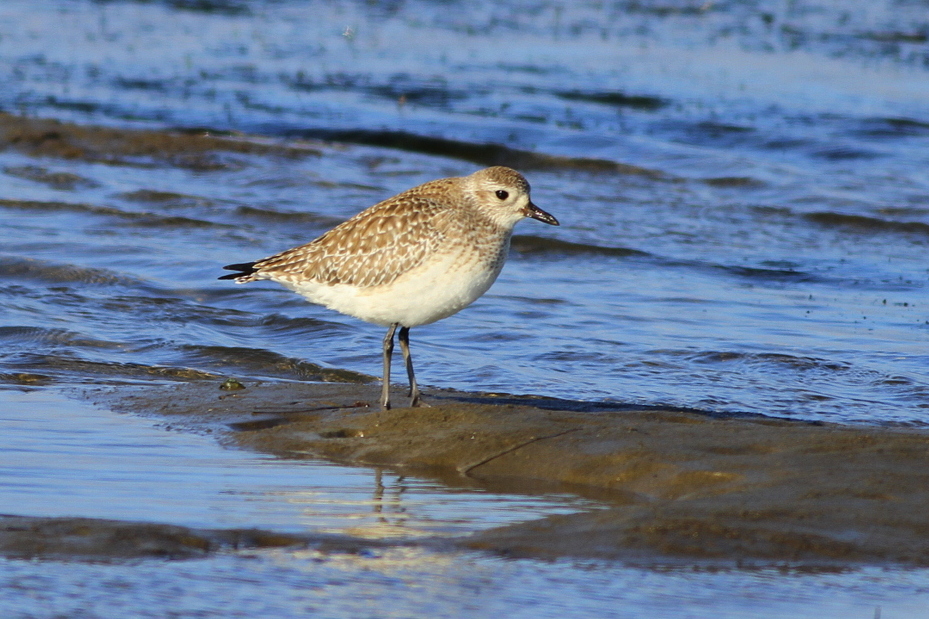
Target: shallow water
[745, 214]
[417, 583]
[766, 252]
[65, 458]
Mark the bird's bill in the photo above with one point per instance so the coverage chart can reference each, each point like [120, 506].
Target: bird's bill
[535, 212]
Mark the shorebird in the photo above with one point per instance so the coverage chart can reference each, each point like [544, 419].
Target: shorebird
[410, 260]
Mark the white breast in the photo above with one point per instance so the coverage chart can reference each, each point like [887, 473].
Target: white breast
[436, 289]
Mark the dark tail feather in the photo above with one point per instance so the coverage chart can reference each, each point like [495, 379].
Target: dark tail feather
[246, 268]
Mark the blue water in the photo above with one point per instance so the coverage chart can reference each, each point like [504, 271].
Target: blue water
[63, 458]
[415, 583]
[745, 215]
[771, 258]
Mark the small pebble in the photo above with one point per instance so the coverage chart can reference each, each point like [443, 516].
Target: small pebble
[231, 384]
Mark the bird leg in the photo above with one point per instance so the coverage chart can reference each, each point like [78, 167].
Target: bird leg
[405, 347]
[388, 352]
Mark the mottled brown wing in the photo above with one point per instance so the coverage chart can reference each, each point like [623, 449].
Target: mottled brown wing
[371, 249]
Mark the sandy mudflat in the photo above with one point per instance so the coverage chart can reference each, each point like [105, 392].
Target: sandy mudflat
[196, 150]
[677, 486]
[96, 539]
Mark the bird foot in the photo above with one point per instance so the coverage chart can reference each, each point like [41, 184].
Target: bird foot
[417, 402]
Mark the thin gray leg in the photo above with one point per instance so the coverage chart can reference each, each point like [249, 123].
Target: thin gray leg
[388, 352]
[405, 347]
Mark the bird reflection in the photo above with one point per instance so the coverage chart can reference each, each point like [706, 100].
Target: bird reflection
[392, 500]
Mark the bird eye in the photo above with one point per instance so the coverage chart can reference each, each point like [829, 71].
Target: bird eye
[502, 194]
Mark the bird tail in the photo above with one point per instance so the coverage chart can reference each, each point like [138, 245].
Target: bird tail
[246, 272]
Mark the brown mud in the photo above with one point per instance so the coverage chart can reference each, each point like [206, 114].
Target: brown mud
[99, 539]
[198, 150]
[673, 485]
[206, 150]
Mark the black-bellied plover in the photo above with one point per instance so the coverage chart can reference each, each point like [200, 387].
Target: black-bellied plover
[410, 260]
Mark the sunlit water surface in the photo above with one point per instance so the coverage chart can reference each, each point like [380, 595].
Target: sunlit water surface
[771, 257]
[65, 458]
[417, 583]
[767, 253]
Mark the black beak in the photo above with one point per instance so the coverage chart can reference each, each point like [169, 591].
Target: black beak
[536, 213]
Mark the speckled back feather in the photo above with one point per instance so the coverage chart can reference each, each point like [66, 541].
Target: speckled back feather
[381, 243]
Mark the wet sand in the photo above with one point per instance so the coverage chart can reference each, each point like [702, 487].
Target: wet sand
[675, 486]
[100, 539]
[194, 149]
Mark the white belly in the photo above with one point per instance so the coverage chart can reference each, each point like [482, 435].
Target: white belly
[434, 290]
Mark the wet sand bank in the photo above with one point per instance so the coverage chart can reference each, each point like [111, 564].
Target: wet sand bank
[678, 486]
[194, 149]
[207, 150]
[100, 539]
